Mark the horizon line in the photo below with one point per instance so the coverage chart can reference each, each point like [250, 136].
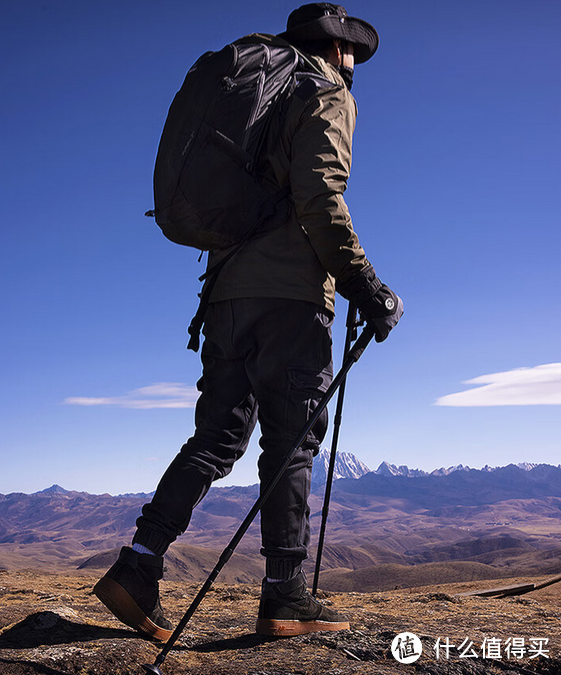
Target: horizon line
[422, 473]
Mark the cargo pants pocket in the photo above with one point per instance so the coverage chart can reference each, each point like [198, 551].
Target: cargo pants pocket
[306, 386]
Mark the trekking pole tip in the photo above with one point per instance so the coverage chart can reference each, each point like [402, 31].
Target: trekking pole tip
[150, 668]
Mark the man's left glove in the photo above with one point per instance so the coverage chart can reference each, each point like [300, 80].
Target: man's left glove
[378, 304]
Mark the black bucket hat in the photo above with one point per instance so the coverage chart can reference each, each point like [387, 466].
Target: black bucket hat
[323, 20]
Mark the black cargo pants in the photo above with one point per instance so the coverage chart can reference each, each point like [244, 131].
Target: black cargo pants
[266, 359]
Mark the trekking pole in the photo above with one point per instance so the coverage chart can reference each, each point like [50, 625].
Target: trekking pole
[352, 325]
[352, 357]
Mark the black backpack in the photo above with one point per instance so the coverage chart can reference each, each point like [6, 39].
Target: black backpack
[206, 192]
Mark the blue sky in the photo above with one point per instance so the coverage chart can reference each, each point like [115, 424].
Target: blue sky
[454, 193]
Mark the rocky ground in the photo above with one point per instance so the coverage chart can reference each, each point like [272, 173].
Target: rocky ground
[52, 625]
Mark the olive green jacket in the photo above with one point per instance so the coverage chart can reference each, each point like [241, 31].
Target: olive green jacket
[308, 148]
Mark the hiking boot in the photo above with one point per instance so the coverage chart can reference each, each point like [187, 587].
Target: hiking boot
[287, 608]
[130, 591]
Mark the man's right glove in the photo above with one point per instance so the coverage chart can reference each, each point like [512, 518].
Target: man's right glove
[378, 305]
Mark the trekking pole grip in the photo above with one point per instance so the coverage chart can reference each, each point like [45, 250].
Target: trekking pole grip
[361, 343]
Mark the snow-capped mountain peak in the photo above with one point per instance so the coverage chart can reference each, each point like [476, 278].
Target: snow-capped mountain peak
[346, 466]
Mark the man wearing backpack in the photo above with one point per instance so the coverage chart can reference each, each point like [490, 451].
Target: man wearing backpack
[267, 327]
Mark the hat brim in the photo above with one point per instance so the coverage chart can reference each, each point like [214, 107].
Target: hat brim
[363, 36]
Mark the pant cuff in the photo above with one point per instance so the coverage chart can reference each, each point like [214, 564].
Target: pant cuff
[282, 568]
[152, 539]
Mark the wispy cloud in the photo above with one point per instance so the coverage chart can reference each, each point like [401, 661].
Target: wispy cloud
[540, 385]
[158, 395]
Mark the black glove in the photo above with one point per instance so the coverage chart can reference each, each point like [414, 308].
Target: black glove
[379, 306]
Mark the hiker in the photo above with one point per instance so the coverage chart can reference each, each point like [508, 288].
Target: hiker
[267, 350]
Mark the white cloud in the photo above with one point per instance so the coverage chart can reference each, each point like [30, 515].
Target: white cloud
[540, 385]
[158, 395]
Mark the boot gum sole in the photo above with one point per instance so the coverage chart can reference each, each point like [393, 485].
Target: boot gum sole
[289, 628]
[121, 604]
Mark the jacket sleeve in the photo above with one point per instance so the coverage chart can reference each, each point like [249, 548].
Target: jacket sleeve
[319, 169]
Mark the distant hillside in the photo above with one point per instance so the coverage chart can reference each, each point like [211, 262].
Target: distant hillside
[388, 577]
[191, 563]
[494, 521]
[467, 487]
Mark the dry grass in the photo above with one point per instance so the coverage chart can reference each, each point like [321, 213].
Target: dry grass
[52, 624]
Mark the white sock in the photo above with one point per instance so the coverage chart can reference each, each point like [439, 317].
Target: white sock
[139, 548]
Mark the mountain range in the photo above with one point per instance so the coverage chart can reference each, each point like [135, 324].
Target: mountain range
[347, 465]
[393, 526]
